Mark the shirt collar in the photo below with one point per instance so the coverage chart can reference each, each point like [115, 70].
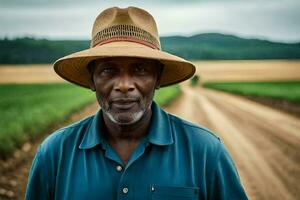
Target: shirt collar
[93, 135]
[159, 130]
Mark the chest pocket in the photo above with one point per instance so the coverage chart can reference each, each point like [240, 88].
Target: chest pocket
[174, 193]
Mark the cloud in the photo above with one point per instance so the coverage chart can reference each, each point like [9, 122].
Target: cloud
[275, 20]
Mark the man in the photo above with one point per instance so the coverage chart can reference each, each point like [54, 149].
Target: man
[131, 149]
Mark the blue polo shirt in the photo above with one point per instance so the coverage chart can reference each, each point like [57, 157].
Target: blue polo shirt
[176, 160]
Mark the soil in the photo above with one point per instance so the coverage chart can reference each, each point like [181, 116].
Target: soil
[281, 104]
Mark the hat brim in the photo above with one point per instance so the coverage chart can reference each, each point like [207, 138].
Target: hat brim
[74, 69]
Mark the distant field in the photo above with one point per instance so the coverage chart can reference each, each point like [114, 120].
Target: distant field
[35, 73]
[28, 109]
[288, 90]
[209, 71]
[248, 70]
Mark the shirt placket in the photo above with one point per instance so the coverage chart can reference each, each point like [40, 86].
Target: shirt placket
[126, 186]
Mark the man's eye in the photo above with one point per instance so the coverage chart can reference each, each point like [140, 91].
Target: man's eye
[140, 69]
[107, 71]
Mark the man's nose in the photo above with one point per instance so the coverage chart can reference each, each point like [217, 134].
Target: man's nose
[124, 83]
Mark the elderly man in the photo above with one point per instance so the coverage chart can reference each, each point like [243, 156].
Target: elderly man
[131, 149]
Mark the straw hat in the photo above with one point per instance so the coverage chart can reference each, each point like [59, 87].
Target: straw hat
[129, 32]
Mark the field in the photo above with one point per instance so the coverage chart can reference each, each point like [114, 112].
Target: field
[166, 95]
[263, 142]
[248, 70]
[28, 74]
[28, 109]
[287, 90]
[208, 71]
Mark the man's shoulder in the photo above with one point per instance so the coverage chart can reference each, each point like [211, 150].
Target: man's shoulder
[193, 133]
[68, 135]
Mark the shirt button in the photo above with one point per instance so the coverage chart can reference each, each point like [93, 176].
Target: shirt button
[119, 168]
[125, 190]
[152, 189]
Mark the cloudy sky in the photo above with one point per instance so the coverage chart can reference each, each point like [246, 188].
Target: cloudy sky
[277, 20]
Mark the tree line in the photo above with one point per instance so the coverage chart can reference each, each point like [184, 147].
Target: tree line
[209, 46]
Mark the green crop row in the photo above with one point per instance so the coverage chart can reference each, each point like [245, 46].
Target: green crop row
[27, 110]
[288, 90]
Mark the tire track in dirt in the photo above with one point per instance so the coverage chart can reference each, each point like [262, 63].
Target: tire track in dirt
[239, 147]
[263, 142]
[286, 167]
[278, 152]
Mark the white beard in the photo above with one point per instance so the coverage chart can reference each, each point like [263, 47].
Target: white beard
[115, 117]
[135, 117]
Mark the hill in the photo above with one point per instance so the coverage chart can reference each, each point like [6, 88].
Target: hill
[209, 46]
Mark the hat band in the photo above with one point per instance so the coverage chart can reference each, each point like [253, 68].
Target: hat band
[125, 39]
[125, 33]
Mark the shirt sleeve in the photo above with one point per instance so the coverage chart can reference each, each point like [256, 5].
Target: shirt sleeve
[226, 184]
[37, 186]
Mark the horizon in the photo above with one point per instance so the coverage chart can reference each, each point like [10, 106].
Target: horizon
[186, 36]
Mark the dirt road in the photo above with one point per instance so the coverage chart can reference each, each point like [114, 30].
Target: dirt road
[265, 143]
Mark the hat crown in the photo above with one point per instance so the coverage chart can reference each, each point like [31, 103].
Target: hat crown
[125, 24]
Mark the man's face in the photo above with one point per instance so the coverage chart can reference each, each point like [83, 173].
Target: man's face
[125, 87]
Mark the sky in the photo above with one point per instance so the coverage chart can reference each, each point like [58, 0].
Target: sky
[275, 20]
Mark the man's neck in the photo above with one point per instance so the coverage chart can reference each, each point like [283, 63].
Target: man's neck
[127, 133]
[124, 139]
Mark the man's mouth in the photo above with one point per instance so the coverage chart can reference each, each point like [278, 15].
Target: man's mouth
[124, 103]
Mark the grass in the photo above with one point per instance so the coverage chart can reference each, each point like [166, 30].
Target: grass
[27, 110]
[287, 90]
[166, 95]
